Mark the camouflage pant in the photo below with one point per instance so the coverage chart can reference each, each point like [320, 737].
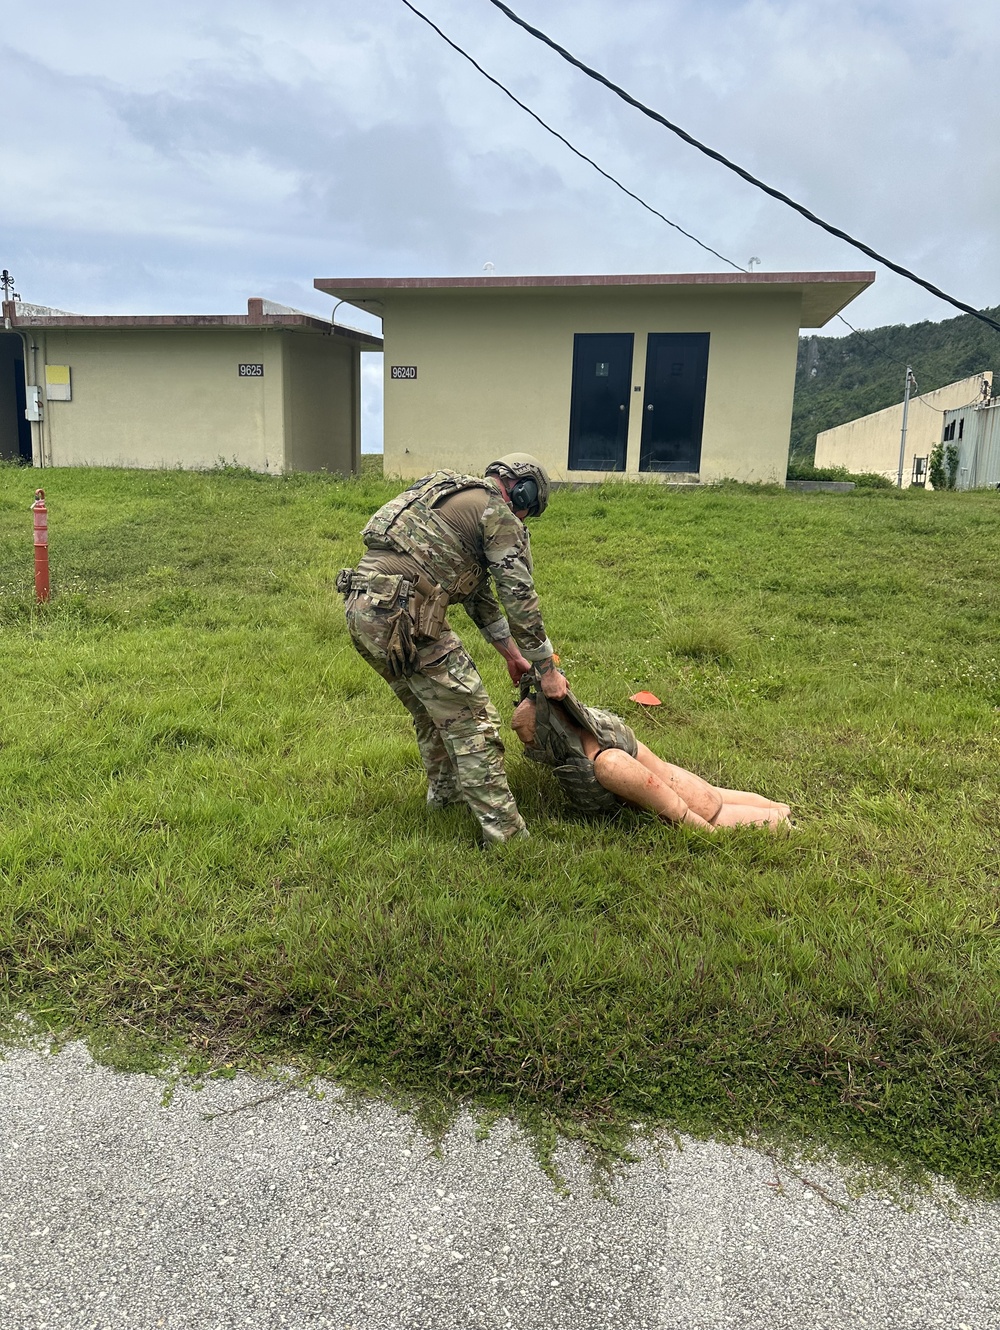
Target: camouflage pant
[456, 723]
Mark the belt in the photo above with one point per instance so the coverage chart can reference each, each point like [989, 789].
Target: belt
[425, 603]
[349, 580]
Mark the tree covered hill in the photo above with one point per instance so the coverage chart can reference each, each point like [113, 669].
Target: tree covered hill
[840, 378]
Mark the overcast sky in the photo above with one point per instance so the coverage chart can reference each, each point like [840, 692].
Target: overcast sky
[181, 157]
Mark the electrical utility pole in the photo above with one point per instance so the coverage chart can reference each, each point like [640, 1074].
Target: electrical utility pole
[910, 381]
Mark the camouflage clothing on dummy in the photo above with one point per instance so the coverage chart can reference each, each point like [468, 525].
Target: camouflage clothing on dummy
[559, 747]
[440, 541]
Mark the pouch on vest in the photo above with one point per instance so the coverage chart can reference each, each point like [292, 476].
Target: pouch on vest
[384, 588]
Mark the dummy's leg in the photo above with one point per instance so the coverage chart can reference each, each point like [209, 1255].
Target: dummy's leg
[753, 800]
[632, 781]
[701, 797]
[738, 815]
[708, 800]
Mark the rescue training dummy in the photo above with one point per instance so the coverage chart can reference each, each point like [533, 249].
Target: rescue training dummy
[444, 540]
[601, 767]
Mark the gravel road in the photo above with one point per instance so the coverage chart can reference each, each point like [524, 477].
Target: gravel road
[237, 1206]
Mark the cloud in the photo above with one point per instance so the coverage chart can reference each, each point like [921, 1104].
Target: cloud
[184, 157]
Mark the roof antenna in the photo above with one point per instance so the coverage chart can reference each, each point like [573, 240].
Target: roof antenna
[7, 282]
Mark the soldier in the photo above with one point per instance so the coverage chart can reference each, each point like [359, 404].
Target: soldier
[439, 542]
[601, 767]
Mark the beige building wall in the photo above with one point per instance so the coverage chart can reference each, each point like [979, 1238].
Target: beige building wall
[151, 398]
[322, 404]
[11, 351]
[871, 443]
[175, 398]
[494, 374]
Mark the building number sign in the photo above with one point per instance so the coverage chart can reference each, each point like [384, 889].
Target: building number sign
[251, 371]
[403, 371]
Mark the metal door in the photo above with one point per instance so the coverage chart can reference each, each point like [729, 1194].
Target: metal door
[598, 417]
[21, 399]
[674, 405]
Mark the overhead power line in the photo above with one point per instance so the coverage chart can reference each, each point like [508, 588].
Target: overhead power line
[590, 161]
[880, 352]
[739, 170]
[562, 139]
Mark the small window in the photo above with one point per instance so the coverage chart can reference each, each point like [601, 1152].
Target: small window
[961, 426]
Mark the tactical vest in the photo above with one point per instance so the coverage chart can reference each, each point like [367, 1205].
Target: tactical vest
[557, 745]
[409, 525]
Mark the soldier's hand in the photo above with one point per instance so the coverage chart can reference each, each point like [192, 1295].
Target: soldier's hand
[515, 662]
[517, 666]
[554, 685]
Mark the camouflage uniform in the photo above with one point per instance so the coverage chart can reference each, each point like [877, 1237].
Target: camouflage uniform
[453, 532]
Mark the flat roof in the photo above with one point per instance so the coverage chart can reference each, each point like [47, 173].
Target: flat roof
[260, 314]
[824, 294]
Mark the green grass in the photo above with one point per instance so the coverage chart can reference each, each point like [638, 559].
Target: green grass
[213, 834]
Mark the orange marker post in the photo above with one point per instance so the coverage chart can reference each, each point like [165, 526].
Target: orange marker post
[40, 515]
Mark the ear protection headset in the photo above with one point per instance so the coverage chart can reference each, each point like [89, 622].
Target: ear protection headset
[524, 494]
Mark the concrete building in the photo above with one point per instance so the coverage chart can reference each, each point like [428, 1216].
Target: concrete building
[677, 377]
[871, 443]
[974, 431]
[273, 389]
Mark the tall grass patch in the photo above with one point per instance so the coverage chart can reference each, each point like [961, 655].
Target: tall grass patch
[214, 835]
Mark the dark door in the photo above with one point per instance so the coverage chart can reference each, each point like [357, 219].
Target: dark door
[598, 416]
[674, 407]
[21, 400]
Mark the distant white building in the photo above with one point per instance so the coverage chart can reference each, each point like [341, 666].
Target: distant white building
[975, 432]
[871, 443]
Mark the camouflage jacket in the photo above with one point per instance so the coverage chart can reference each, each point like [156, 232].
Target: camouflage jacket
[496, 547]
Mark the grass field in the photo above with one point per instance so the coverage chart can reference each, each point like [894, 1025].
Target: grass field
[213, 834]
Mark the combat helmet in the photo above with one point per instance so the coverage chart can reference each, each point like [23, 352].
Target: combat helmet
[530, 481]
